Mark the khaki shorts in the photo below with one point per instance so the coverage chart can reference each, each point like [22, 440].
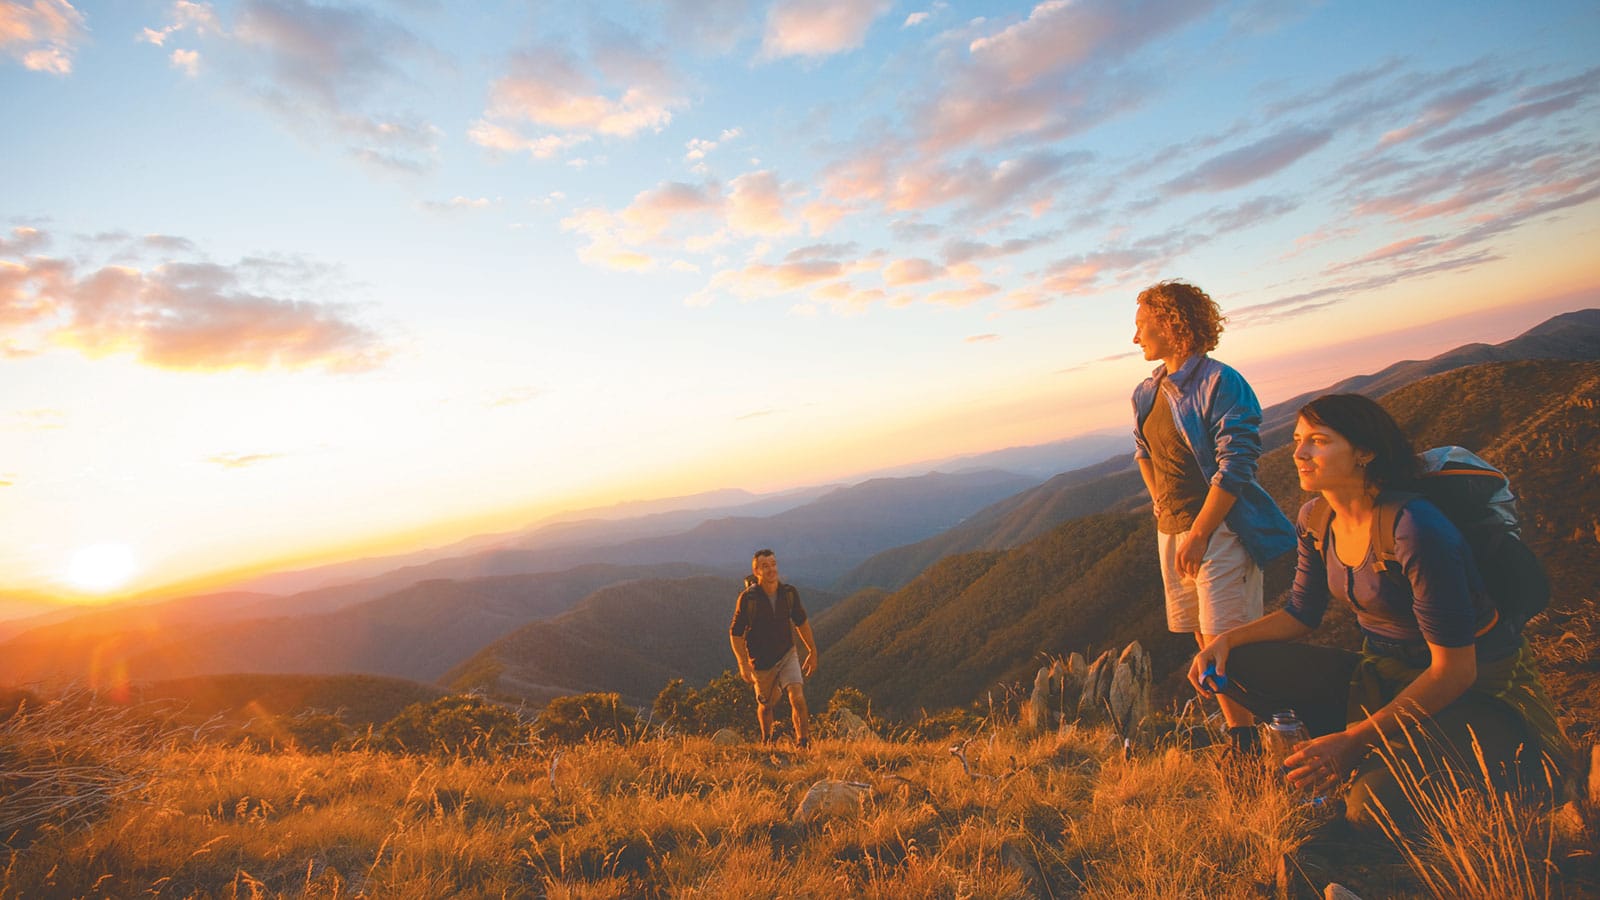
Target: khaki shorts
[1226, 593]
[770, 681]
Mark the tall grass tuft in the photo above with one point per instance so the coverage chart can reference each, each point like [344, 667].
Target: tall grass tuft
[1466, 837]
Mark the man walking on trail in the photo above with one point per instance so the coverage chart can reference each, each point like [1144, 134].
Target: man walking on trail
[1197, 430]
[767, 617]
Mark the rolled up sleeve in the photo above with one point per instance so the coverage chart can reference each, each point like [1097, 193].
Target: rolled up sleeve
[1236, 433]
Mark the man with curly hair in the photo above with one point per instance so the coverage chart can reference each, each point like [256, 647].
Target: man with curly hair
[1197, 434]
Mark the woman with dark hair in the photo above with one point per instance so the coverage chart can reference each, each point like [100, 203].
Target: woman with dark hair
[1440, 677]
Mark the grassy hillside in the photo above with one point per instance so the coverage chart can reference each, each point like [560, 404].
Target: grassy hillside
[140, 811]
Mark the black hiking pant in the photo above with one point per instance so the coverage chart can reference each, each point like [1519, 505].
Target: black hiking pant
[1315, 683]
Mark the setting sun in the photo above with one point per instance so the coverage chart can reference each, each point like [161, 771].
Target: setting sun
[101, 567]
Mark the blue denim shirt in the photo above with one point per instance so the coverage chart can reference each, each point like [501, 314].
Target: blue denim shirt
[1220, 417]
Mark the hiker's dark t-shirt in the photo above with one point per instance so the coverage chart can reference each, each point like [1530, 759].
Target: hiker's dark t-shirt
[765, 623]
[1180, 487]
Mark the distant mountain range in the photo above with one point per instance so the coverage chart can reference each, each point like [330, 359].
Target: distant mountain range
[420, 621]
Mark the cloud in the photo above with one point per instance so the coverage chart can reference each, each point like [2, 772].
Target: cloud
[458, 203]
[902, 272]
[1246, 215]
[818, 27]
[38, 420]
[960, 251]
[1049, 76]
[513, 397]
[915, 19]
[179, 315]
[508, 140]
[1514, 116]
[551, 88]
[981, 188]
[42, 35]
[199, 18]
[981, 339]
[697, 149]
[186, 61]
[322, 70]
[23, 240]
[756, 206]
[1300, 304]
[1141, 260]
[1252, 162]
[672, 214]
[1441, 112]
[242, 460]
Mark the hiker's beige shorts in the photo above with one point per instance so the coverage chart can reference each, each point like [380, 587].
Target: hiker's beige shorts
[770, 681]
[1226, 593]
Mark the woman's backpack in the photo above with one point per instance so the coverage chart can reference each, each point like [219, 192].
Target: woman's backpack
[1477, 498]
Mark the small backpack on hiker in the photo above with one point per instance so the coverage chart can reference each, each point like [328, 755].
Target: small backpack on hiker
[1477, 497]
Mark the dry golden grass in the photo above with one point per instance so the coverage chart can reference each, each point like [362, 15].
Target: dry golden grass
[1064, 815]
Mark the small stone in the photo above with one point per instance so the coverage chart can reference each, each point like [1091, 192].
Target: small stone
[1096, 688]
[1036, 714]
[852, 727]
[1130, 690]
[832, 798]
[1337, 891]
[726, 737]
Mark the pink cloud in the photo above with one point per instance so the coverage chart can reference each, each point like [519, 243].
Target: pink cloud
[962, 296]
[902, 272]
[1508, 119]
[179, 316]
[1440, 113]
[756, 206]
[1049, 76]
[978, 185]
[42, 35]
[818, 27]
[548, 88]
[1060, 35]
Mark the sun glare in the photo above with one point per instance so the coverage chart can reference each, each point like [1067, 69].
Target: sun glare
[102, 567]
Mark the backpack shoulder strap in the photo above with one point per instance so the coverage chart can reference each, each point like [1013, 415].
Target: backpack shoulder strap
[1384, 518]
[1318, 518]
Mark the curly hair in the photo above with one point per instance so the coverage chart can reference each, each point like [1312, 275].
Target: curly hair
[1193, 317]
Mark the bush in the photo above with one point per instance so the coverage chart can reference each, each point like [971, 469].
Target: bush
[596, 716]
[725, 702]
[846, 698]
[454, 726]
[945, 723]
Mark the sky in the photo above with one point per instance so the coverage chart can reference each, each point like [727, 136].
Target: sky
[284, 281]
